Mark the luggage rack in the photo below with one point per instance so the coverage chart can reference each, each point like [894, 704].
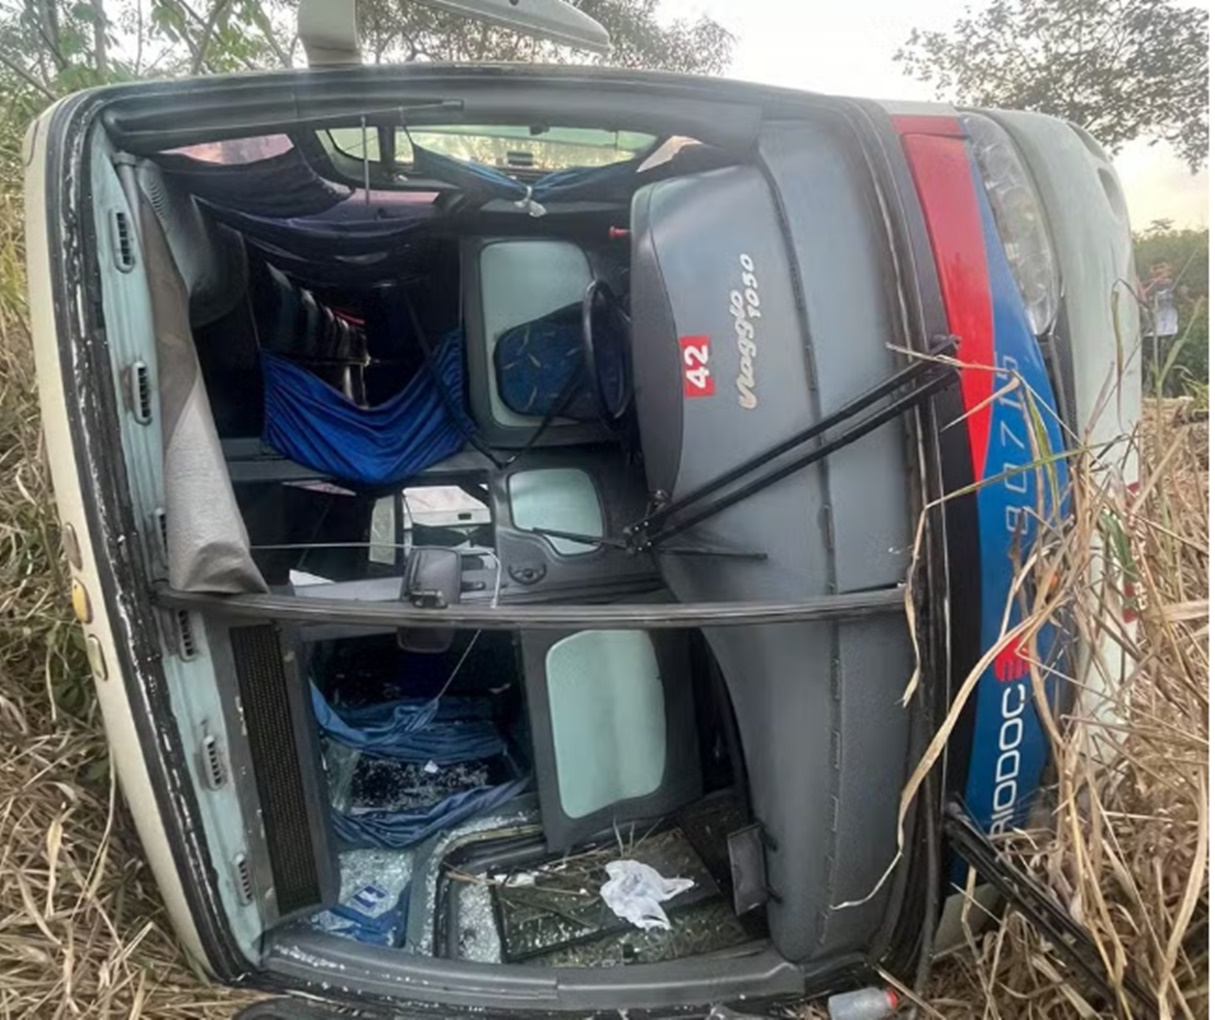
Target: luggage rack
[668, 518]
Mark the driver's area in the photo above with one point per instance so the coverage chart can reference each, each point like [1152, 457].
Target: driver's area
[550, 397]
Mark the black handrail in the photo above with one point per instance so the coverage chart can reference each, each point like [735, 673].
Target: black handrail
[614, 616]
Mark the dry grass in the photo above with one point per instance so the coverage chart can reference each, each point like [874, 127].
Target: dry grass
[1124, 846]
[82, 932]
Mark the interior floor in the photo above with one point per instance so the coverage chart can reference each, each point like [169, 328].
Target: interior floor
[506, 902]
[422, 874]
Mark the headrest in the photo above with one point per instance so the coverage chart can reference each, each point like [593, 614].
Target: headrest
[719, 359]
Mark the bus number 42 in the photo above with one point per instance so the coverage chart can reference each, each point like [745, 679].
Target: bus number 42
[697, 376]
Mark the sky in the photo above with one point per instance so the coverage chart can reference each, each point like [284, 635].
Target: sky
[845, 48]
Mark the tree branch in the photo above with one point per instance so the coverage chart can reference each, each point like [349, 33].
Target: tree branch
[138, 37]
[101, 58]
[46, 21]
[208, 33]
[26, 77]
[267, 30]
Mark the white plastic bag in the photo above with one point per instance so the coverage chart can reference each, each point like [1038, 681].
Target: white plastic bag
[635, 890]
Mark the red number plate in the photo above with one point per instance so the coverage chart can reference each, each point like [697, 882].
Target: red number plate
[697, 376]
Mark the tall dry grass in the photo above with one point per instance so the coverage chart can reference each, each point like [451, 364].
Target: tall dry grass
[82, 931]
[1123, 839]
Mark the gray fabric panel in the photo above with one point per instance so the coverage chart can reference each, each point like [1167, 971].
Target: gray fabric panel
[869, 757]
[208, 543]
[823, 736]
[841, 253]
[210, 258]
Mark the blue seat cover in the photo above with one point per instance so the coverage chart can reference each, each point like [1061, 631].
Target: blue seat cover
[314, 424]
[539, 365]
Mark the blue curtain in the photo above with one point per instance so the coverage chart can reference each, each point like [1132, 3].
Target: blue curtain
[599, 183]
[398, 830]
[313, 424]
[413, 729]
[282, 185]
[446, 732]
[312, 237]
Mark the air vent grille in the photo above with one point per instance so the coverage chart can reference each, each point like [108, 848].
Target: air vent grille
[156, 538]
[162, 531]
[213, 762]
[187, 647]
[123, 241]
[244, 878]
[285, 801]
[141, 393]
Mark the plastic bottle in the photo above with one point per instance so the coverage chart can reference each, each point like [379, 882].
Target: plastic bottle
[864, 1004]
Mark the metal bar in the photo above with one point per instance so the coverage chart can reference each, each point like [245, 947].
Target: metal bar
[366, 166]
[1071, 941]
[578, 536]
[858, 431]
[388, 116]
[849, 410]
[650, 616]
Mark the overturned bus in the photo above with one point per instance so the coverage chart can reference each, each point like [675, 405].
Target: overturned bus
[474, 476]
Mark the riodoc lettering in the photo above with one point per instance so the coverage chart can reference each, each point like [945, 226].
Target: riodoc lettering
[1008, 765]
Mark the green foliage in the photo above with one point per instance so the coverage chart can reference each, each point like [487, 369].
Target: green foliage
[1122, 69]
[39, 639]
[396, 30]
[1200, 393]
[50, 48]
[1181, 364]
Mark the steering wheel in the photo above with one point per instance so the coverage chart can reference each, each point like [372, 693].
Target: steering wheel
[605, 351]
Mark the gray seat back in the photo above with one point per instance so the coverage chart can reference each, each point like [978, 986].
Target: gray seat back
[589, 491]
[780, 279]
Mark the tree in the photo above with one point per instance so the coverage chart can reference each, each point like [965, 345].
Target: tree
[49, 48]
[1122, 69]
[396, 30]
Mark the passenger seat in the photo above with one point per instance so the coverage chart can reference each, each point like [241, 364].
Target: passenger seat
[507, 282]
